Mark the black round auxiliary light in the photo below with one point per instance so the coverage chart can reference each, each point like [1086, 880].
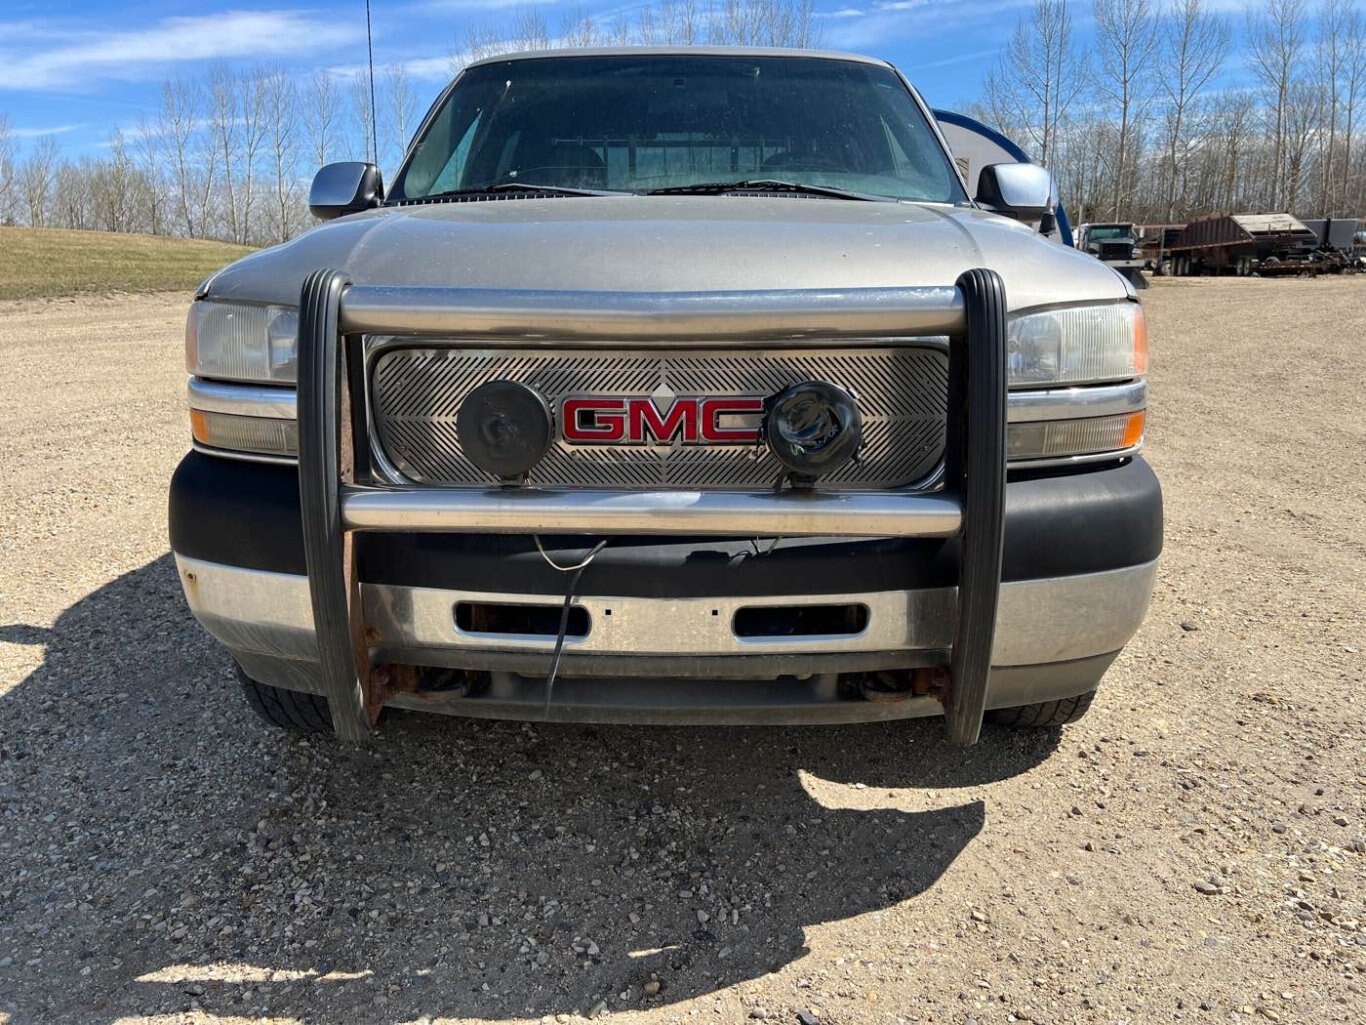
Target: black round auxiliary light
[504, 428]
[812, 428]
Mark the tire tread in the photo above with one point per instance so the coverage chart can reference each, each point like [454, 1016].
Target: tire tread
[296, 711]
[1043, 714]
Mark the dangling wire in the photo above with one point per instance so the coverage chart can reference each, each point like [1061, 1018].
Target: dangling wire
[566, 569]
[577, 571]
[773, 544]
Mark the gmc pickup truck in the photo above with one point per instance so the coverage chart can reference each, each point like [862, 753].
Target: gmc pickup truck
[671, 386]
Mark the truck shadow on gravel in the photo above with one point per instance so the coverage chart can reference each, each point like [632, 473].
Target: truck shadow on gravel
[164, 851]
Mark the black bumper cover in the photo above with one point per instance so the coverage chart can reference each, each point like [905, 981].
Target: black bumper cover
[1058, 524]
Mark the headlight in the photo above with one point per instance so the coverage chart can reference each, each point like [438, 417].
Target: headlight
[1078, 345]
[236, 342]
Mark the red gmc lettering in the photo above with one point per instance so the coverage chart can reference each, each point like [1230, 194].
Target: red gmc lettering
[644, 414]
[638, 421]
[714, 409]
[605, 423]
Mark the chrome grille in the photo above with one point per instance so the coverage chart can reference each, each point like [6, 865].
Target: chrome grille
[902, 392]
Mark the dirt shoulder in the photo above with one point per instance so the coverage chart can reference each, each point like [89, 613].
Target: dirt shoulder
[1191, 851]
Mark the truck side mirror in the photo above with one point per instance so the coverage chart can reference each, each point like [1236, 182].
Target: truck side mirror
[347, 187]
[1022, 191]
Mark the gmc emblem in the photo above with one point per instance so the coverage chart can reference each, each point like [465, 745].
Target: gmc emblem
[594, 420]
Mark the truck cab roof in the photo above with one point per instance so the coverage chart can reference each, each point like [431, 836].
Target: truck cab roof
[679, 51]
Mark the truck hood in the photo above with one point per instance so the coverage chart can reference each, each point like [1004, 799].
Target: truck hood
[672, 244]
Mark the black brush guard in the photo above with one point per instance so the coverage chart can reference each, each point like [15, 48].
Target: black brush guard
[338, 498]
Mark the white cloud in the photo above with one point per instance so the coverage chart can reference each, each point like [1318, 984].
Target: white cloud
[421, 69]
[897, 21]
[36, 56]
[432, 69]
[38, 133]
[961, 58]
[843, 12]
[466, 6]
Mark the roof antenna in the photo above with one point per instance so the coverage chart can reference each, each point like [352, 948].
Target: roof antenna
[370, 50]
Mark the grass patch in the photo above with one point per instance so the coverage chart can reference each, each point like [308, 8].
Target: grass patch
[45, 262]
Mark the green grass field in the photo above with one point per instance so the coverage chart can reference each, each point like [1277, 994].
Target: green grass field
[44, 262]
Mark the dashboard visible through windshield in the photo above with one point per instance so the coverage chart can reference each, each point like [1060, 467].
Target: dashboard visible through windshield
[639, 123]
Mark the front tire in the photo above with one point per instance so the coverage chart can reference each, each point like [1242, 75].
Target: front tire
[1043, 714]
[292, 710]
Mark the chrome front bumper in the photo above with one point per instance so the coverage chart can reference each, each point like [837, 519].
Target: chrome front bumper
[265, 620]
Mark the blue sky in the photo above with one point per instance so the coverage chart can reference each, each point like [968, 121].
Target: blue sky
[81, 68]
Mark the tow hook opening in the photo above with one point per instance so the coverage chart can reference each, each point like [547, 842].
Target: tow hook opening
[901, 684]
[765, 621]
[451, 683]
[525, 620]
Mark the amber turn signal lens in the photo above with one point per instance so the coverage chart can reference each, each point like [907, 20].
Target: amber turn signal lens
[199, 428]
[1133, 433]
[258, 435]
[1062, 439]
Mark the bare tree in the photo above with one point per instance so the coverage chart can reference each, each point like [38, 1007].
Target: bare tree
[1127, 40]
[322, 115]
[1305, 113]
[1340, 73]
[1038, 78]
[8, 172]
[1276, 52]
[72, 200]
[1194, 46]
[530, 30]
[1235, 116]
[763, 23]
[1083, 160]
[363, 111]
[526, 29]
[668, 22]
[646, 29]
[402, 110]
[281, 117]
[657, 23]
[482, 41]
[739, 23]
[685, 23]
[578, 28]
[178, 125]
[1329, 59]
[117, 186]
[226, 129]
[1354, 83]
[149, 158]
[37, 178]
[251, 105]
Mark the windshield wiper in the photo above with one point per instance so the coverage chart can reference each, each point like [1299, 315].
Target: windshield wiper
[765, 185]
[550, 190]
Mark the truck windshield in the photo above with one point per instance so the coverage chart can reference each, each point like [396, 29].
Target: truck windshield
[636, 123]
[1110, 231]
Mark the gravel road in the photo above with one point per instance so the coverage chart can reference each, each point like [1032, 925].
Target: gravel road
[1194, 850]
